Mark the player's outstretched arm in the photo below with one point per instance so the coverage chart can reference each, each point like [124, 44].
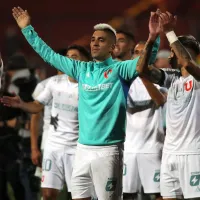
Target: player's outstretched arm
[131, 68]
[144, 60]
[143, 68]
[69, 66]
[17, 102]
[168, 22]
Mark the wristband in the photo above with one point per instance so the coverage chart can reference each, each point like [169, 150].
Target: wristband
[171, 36]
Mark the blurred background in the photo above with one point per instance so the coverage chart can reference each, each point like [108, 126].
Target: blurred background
[61, 23]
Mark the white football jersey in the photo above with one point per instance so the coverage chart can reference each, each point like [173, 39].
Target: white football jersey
[64, 126]
[183, 114]
[144, 131]
[47, 109]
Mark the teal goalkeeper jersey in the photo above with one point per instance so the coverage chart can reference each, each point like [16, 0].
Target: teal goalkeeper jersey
[103, 87]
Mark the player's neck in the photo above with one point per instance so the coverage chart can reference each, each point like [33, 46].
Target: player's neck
[102, 59]
[184, 72]
[72, 80]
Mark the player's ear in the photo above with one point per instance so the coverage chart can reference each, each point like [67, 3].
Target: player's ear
[112, 47]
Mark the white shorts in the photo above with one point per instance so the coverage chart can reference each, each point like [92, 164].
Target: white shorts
[141, 170]
[180, 175]
[98, 169]
[57, 168]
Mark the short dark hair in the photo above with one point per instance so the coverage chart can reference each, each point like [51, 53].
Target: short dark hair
[111, 34]
[190, 42]
[81, 49]
[127, 34]
[62, 52]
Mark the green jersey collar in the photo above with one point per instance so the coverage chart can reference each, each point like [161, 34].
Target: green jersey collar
[106, 62]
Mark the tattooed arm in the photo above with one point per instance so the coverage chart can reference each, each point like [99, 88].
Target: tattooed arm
[150, 72]
[185, 60]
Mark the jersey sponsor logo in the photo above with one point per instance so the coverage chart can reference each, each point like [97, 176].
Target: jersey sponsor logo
[156, 177]
[98, 87]
[54, 122]
[111, 184]
[106, 73]
[195, 179]
[65, 107]
[188, 85]
[68, 95]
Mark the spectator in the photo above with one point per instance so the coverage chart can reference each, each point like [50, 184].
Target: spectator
[9, 151]
[22, 83]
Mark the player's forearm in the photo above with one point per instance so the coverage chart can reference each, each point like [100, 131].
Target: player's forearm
[181, 52]
[149, 53]
[154, 51]
[143, 68]
[158, 98]
[62, 63]
[40, 46]
[142, 64]
[32, 107]
[154, 74]
[35, 123]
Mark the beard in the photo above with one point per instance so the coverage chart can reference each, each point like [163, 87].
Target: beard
[173, 62]
[120, 55]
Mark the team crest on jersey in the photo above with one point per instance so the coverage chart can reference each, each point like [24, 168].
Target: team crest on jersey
[188, 85]
[106, 73]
